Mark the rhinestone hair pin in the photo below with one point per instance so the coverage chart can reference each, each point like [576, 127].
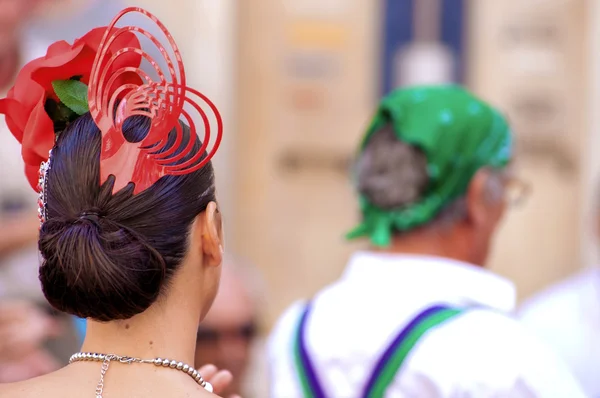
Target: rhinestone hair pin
[41, 188]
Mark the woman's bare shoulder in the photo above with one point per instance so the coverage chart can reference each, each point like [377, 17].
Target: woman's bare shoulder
[52, 385]
[25, 389]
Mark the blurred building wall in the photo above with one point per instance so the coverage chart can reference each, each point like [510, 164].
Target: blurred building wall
[529, 58]
[307, 81]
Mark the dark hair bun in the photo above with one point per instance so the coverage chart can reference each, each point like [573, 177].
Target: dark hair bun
[109, 272]
[109, 256]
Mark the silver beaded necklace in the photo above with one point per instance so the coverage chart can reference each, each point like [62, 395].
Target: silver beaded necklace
[107, 358]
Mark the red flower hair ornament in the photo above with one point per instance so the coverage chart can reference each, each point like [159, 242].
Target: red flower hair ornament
[101, 73]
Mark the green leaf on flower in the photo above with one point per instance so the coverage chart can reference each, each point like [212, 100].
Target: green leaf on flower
[73, 94]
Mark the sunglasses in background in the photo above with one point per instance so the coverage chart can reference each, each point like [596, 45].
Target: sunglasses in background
[245, 332]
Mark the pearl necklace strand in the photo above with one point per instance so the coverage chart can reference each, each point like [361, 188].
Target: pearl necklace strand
[166, 363]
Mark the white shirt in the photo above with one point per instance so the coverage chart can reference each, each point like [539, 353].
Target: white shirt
[567, 317]
[480, 353]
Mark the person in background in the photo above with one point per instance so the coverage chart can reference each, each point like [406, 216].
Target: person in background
[26, 327]
[229, 335]
[417, 314]
[18, 223]
[566, 316]
[23, 329]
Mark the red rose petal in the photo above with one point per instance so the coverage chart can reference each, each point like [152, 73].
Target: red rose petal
[24, 105]
[16, 116]
[31, 172]
[92, 38]
[25, 90]
[38, 137]
[78, 60]
[57, 48]
[75, 62]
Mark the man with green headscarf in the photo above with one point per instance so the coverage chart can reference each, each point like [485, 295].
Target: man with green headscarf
[417, 315]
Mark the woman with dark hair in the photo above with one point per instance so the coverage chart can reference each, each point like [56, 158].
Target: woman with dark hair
[130, 234]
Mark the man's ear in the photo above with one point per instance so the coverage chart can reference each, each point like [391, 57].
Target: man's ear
[477, 206]
[212, 235]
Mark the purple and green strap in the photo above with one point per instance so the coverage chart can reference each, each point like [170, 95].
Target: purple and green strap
[387, 366]
[394, 356]
[311, 387]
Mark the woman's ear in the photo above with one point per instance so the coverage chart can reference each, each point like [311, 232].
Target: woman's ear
[212, 235]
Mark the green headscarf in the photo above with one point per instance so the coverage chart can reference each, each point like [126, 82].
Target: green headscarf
[458, 133]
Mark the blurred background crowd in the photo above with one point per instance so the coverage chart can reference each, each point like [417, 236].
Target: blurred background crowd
[296, 82]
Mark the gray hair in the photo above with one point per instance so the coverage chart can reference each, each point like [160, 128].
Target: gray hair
[392, 174]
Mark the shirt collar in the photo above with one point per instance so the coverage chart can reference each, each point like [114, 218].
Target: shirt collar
[445, 278]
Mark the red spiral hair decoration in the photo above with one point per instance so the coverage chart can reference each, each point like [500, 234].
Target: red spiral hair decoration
[144, 162]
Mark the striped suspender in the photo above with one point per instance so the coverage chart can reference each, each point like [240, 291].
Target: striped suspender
[311, 387]
[387, 366]
[392, 359]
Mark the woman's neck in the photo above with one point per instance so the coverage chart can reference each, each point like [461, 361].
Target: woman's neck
[165, 331]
